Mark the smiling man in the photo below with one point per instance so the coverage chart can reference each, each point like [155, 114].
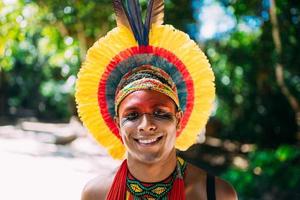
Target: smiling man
[144, 90]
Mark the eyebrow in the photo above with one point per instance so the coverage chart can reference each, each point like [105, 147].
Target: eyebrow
[160, 106]
[131, 108]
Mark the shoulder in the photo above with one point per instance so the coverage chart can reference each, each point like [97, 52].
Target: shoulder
[97, 188]
[195, 181]
[224, 190]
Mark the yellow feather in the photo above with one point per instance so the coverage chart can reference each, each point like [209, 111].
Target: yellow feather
[120, 39]
[199, 68]
[97, 59]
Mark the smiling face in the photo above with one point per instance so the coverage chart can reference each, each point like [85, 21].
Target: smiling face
[148, 122]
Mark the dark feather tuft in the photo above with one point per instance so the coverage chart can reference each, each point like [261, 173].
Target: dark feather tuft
[128, 13]
[121, 17]
[135, 20]
[155, 12]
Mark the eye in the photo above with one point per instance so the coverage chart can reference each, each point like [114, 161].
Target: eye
[131, 116]
[161, 114]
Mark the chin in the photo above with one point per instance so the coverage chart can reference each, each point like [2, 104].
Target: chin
[151, 157]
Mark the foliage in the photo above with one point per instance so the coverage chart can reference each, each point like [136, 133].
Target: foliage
[43, 42]
[251, 106]
[37, 63]
[42, 45]
[272, 174]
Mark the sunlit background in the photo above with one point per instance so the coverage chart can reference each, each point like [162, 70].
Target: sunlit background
[252, 138]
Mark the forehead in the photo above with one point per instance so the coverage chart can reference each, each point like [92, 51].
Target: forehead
[146, 99]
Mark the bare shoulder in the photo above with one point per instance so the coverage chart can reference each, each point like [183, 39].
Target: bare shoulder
[224, 190]
[97, 188]
[195, 183]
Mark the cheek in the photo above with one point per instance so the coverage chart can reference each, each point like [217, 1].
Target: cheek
[168, 126]
[124, 137]
[126, 130]
[172, 132]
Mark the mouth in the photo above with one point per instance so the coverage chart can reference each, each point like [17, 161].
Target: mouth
[148, 142]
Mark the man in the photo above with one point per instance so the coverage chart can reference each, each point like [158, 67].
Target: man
[154, 95]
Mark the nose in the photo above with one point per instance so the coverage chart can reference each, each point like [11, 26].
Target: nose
[146, 124]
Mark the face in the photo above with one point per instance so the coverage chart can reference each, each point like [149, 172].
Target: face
[148, 122]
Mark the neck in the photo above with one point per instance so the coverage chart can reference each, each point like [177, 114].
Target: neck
[152, 172]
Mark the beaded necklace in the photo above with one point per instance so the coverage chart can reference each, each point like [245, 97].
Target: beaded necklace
[154, 191]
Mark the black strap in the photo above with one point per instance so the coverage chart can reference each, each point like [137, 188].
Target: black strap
[210, 187]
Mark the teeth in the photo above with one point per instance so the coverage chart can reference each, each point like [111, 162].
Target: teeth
[147, 141]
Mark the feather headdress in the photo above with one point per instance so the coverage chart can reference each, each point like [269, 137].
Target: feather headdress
[133, 43]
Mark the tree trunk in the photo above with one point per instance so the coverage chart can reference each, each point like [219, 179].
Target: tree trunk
[279, 68]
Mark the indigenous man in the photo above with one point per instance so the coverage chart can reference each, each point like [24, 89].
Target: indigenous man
[153, 88]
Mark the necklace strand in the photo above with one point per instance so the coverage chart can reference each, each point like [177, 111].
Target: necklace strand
[158, 190]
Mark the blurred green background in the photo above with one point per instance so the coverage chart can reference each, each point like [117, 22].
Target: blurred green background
[253, 47]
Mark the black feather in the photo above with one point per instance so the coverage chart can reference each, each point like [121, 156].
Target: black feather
[155, 12]
[121, 17]
[129, 14]
[154, 15]
[135, 19]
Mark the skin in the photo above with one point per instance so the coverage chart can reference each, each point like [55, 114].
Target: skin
[148, 121]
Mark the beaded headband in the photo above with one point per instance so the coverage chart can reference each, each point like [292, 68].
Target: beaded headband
[168, 88]
[132, 44]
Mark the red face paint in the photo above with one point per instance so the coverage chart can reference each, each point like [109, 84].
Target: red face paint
[148, 124]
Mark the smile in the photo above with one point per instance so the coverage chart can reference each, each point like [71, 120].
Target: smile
[148, 141]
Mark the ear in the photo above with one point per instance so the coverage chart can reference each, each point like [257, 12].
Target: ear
[178, 116]
[117, 121]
